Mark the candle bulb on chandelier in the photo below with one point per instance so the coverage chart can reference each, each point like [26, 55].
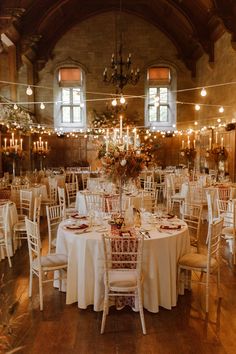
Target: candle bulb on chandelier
[216, 137]
[127, 136]
[222, 142]
[16, 145]
[135, 137]
[194, 143]
[5, 143]
[21, 144]
[107, 140]
[182, 144]
[209, 143]
[121, 126]
[188, 143]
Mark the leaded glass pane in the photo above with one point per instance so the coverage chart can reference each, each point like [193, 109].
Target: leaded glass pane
[66, 95]
[76, 114]
[163, 114]
[65, 114]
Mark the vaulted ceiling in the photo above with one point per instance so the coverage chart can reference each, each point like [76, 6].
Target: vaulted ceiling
[192, 25]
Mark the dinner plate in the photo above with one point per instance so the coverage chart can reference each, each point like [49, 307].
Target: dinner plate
[76, 227]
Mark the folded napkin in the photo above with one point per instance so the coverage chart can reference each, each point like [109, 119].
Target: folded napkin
[168, 216]
[77, 227]
[79, 217]
[170, 227]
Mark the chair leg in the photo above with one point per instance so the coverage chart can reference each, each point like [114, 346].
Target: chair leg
[41, 292]
[207, 292]
[8, 256]
[140, 305]
[218, 281]
[30, 283]
[105, 311]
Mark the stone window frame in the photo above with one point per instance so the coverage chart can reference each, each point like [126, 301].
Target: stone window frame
[58, 124]
[172, 110]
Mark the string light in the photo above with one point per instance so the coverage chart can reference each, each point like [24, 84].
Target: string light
[195, 123]
[29, 91]
[15, 106]
[203, 92]
[82, 104]
[114, 102]
[221, 109]
[42, 105]
[122, 100]
[197, 107]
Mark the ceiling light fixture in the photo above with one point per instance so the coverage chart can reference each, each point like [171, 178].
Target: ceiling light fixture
[203, 92]
[29, 91]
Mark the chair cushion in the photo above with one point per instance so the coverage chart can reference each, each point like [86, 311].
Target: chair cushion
[20, 226]
[196, 260]
[228, 231]
[122, 278]
[51, 261]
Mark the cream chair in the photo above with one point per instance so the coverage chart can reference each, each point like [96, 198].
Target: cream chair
[54, 217]
[71, 191]
[223, 193]
[26, 200]
[94, 202]
[191, 214]
[19, 229]
[204, 264]
[123, 271]
[229, 232]
[3, 230]
[40, 265]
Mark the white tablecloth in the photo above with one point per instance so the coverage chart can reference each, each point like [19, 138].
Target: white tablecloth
[11, 220]
[85, 267]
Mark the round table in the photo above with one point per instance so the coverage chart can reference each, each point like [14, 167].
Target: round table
[85, 266]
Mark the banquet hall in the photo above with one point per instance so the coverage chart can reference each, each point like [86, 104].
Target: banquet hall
[117, 176]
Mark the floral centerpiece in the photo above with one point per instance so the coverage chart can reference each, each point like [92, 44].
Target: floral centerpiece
[219, 153]
[189, 153]
[121, 165]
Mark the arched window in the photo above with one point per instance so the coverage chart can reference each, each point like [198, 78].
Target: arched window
[70, 97]
[160, 97]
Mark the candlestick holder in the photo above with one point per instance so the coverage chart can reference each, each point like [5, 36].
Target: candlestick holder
[13, 151]
[40, 151]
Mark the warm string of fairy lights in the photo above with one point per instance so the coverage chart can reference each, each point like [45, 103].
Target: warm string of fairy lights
[47, 129]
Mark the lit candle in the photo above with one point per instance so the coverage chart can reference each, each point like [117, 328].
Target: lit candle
[209, 143]
[188, 143]
[107, 140]
[216, 137]
[121, 126]
[114, 134]
[194, 143]
[35, 145]
[12, 137]
[182, 144]
[222, 142]
[10, 142]
[16, 145]
[135, 138]
[40, 141]
[127, 135]
[21, 144]
[38, 145]
[46, 145]
[5, 143]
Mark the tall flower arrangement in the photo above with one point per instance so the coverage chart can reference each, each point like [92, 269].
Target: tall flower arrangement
[121, 165]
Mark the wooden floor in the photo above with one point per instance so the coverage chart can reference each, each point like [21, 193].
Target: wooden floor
[62, 328]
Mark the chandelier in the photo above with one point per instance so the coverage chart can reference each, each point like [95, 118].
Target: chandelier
[121, 72]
